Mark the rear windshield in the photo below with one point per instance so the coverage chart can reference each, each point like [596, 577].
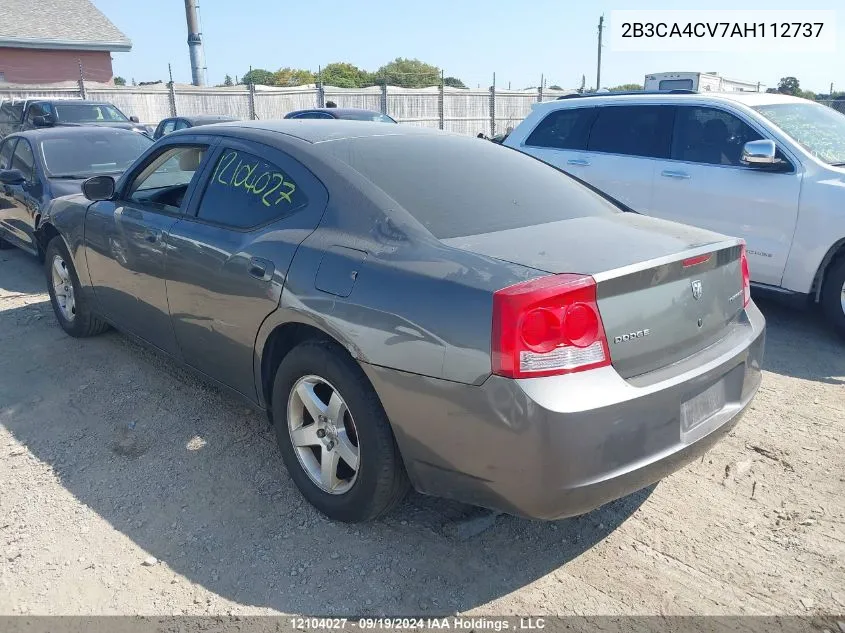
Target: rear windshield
[457, 186]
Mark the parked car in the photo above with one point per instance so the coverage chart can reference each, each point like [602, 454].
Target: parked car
[349, 114]
[166, 126]
[29, 114]
[542, 357]
[768, 168]
[39, 165]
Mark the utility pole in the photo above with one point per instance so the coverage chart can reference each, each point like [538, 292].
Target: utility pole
[598, 64]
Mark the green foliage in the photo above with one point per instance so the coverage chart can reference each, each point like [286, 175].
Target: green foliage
[345, 75]
[258, 76]
[227, 81]
[293, 77]
[626, 88]
[789, 86]
[453, 82]
[555, 87]
[119, 81]
[408, 73]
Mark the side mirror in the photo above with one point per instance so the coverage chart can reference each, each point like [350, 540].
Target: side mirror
[759, 153]
[42, 121]
[134, 119]
[12, 177]
[98, 188]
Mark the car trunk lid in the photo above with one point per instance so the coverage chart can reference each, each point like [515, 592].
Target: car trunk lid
[664, 290]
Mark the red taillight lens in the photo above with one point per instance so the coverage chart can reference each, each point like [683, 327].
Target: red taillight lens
[548, 326]
[746, 275]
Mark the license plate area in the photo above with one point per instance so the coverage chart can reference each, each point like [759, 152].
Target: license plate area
[697, 410]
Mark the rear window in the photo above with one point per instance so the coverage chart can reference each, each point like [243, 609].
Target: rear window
[458, 186]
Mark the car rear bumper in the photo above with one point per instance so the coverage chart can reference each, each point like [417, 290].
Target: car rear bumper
[554, 447]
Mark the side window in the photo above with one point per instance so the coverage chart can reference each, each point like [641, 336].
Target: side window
[564, 129]
[24, 160]
[6, 154]
[11, 113]
[707, 135]
[633, 130]
[168, 127]
[181, 124]
[675, 84]
[247, 191]
[165, 181]
[36, 109]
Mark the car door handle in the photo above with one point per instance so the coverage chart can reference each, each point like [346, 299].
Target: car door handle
[261, 268]
[152, 236]
[578, 161]
[682, 175]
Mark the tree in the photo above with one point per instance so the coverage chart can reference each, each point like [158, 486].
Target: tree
[789, 86]
[258, 76]
[293, 77]
[453, 82]
[119, 81]
[409, 73]
[555, 87]
[345, 75]
[626, 88]
[227, 81]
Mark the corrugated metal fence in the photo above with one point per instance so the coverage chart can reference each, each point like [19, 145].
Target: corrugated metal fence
[451, 109]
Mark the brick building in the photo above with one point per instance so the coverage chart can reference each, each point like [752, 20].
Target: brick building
[45, 41]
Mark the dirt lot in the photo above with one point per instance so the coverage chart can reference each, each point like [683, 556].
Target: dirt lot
[128, 487]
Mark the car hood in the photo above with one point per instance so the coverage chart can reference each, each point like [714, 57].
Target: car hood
[588, 245]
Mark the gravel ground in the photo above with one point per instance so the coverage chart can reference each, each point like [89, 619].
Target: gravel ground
[129, 487]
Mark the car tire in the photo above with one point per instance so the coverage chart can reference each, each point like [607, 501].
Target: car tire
[4, 245]
[833, 296]
[354, 427]
[72, 308]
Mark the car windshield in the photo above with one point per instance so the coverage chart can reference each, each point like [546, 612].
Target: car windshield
[83, 156]
[457, 186]
[365, 115]
[817, 128]
[87, 112]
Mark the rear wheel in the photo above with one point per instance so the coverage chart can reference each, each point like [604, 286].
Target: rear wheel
[334, 435]
[72, 308]
[4, 244]
[833, 296]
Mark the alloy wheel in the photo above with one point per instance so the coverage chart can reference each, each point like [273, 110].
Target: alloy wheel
[63, 288]
[323, 434]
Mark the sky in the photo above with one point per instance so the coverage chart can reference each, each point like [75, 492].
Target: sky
[469, 39]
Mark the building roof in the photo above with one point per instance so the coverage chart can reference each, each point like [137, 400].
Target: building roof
[59, 24]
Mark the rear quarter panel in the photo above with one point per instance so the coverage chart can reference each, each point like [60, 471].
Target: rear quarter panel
[416, 305]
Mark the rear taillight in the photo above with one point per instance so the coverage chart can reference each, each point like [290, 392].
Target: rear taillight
[548, 326]
[746, 275]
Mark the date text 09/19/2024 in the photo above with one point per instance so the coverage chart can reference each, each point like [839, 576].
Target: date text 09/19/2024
[434, 623]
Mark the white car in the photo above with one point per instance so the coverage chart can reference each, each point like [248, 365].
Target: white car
[765, 167]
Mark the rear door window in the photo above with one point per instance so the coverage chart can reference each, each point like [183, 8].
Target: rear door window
[708, 135]
[247, 191]
[633, 130]
[567, 128]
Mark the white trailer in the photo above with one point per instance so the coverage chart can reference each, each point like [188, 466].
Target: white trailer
[701, 82]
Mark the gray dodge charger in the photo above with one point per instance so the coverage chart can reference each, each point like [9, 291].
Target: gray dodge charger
[413, 308]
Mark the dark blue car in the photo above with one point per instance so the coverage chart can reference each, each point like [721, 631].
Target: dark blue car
[349, 114]
[39, 165]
